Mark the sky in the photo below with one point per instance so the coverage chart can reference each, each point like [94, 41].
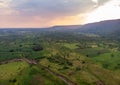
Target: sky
[45, 13]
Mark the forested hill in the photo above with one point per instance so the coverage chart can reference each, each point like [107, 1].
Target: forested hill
[103, 27]
[109, 28]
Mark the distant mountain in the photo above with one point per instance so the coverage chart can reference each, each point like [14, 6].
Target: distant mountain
[100, 28]
[103, 27]
[64, 28]
[109, 27]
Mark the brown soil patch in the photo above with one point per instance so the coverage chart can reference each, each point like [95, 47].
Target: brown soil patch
[37, 80]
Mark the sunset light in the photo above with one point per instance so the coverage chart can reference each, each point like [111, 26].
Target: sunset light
[45, 13]
[108, 11]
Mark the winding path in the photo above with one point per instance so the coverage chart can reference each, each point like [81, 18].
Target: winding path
[60, 76]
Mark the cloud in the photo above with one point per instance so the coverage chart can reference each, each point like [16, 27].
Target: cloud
[51, 7]
[108, 11]
[101, 2]
[4, 3]
[96, 1]
[45, 12]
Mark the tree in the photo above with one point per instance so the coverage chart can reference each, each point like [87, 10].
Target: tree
[37, 48]
[11, 50]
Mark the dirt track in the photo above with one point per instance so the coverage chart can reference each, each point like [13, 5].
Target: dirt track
[60, 76]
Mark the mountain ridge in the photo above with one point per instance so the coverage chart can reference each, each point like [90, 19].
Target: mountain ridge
[101, 28]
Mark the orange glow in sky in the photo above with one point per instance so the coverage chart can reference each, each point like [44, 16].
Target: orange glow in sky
[35, 13]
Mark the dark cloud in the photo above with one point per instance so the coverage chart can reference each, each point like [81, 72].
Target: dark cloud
[35, 13]
[101, 2]
[52, 7]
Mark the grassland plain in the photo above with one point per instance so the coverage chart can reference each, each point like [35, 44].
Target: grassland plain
[21, 73]
[85, 60]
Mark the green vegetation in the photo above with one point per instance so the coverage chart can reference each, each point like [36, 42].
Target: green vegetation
[20, 73]
[82, 58]
[10, 70]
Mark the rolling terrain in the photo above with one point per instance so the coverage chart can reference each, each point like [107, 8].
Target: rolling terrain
[61, 55]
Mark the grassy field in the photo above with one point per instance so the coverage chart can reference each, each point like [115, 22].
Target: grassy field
[71, 45]
[85, 60]
[109, 60]
[20, 73]
[10, 70]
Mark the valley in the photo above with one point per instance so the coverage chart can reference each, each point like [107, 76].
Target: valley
[53, 56]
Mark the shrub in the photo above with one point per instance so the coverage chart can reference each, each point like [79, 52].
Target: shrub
[65, 67]
[37, 48]
[11, 50]
[78, 68]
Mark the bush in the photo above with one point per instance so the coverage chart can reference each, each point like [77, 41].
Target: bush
[78, 68]
[83, 62]
[11, 50]
[37, 48]
[13, 80]
[69, 63]
[65, 67]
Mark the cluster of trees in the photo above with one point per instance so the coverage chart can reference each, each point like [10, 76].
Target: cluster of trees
[37, 48]
[60, 60]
